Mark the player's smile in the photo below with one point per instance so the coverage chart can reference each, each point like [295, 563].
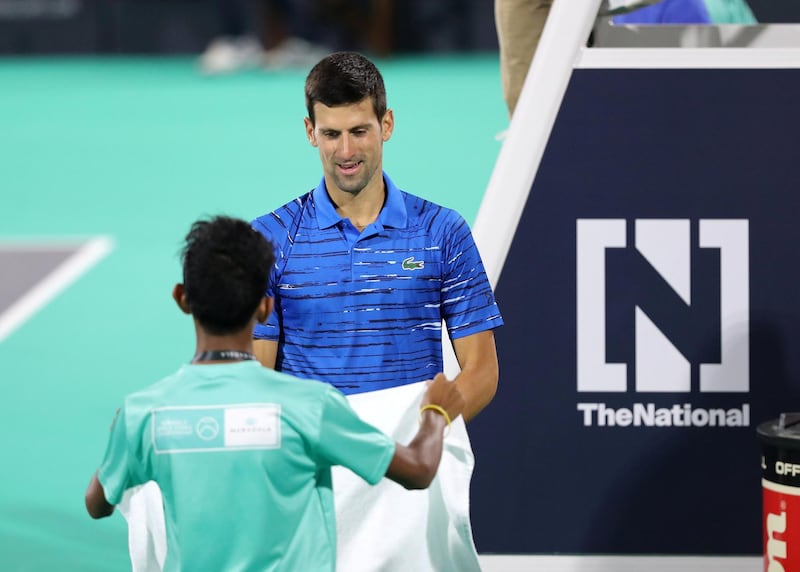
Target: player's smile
[350, 167]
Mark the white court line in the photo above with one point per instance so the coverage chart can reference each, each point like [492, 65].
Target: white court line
[689, 58]
[59, 279]
[542, 563]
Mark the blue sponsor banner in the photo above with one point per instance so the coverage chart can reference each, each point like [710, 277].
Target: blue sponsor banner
[652, 319]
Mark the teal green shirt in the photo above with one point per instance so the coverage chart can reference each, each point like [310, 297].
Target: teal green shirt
[242, 455]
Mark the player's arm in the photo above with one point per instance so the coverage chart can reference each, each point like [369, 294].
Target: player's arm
[414, 465]
[96, 504]
[266, 352]
[477, 356]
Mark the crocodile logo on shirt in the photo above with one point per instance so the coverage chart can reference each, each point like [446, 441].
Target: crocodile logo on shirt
[411, 264]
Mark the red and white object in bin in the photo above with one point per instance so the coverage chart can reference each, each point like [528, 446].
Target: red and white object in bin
[780, 484]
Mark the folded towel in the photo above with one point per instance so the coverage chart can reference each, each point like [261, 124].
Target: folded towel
[143, 508]
[389, 529]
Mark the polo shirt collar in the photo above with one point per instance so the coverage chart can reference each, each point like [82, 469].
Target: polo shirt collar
[393, 214]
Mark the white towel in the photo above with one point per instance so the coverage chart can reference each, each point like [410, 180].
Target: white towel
[386, 528]
[143, 508]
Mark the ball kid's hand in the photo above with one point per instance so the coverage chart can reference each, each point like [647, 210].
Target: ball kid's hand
[444, 393]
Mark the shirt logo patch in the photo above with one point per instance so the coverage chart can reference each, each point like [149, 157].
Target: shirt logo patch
[411, 264]
[216, 428]
[207, 428]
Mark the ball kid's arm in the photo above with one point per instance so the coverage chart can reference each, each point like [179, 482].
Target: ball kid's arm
[96, 504]
[414, 466]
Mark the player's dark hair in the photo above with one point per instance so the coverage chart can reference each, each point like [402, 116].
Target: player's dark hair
[343, 78]
[226, 268]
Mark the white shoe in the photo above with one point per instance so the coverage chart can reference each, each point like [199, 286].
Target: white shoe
[294, 53]
[224, 55]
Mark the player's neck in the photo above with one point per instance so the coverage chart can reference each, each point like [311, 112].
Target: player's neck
[361, 208]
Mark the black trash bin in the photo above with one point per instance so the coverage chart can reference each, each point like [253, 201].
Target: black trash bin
[780, 484]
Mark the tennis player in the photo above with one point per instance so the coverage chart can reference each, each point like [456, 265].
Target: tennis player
[366, 276]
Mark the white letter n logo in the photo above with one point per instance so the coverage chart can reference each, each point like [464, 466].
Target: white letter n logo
[665, 244]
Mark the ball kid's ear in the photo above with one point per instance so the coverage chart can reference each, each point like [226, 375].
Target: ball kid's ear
[179, 295]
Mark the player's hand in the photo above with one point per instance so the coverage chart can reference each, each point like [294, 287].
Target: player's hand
[444, 393]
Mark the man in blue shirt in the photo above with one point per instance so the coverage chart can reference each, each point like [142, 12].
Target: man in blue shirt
[365, 275]
[242, 454]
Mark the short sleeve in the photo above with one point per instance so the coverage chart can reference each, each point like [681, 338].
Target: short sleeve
[468, 303]
[270, 330]
[346, 440]
[119, 470]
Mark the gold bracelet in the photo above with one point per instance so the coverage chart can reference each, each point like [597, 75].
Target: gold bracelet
[439, 409]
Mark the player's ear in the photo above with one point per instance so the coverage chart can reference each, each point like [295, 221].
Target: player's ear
[312, 137]
[264, 309]
[179, 295]
[387, 124]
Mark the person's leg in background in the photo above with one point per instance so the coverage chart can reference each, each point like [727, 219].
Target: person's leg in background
[292, 36]
[519, 27]
[358, 25]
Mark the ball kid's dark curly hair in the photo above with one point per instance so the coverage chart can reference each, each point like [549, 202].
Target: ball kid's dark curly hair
[226, 268]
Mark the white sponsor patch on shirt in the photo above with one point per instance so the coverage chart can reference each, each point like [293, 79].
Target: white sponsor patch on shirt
[256, 426]
[194, 429]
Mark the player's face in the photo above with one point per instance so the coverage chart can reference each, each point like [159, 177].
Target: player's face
[350, 141]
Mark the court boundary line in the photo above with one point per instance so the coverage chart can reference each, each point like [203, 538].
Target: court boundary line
[575, 563]
[58, 280]
[688, 58]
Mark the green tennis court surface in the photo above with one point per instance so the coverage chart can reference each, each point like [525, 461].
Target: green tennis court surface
[104, 164]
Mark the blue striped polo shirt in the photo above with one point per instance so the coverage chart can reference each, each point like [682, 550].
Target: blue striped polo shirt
[363, 311]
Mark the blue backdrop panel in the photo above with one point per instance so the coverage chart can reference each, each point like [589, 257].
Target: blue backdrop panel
[645, 145]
